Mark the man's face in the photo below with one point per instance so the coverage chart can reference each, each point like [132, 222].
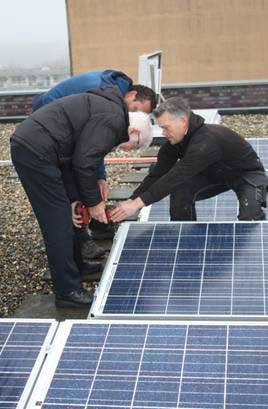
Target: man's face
[144, 106]
[174, 128]
[136, 105]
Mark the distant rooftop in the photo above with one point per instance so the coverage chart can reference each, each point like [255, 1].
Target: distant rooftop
[14, 79]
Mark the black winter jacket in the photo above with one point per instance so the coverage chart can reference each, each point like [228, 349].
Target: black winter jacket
[75, 133]
[211, 150]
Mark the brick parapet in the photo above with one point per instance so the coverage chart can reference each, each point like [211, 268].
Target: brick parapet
[221, 96]
[200, 96]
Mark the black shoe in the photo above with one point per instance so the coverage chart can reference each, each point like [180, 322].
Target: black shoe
[90, 250]
[90, 271]
[74, 299]
[101, 231]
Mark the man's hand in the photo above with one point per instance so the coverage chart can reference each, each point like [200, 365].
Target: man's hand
[126, 209]
[77, 218]
[98, 212]
[104, 189]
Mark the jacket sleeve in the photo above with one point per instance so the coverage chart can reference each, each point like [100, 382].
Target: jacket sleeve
[200, 154]
[101, 171]
[99, 136]
[37, 102]
[166, 158]
[69, 182]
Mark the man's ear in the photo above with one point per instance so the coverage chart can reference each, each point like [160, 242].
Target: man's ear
[185, 121]
[131, 95]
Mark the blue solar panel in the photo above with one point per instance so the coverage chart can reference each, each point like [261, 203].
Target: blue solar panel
[188, 269]
[260, 145]
[20, 347]
[223, 207]
[158, 366]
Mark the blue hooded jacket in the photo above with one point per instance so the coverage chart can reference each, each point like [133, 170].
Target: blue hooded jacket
[83, 83]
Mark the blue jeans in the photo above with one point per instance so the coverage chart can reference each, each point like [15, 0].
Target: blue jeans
[44, 187]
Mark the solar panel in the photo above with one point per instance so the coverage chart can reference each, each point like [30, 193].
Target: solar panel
[260, 145]
[186, 269]
[223, 207]
[157, 212]
[23, 346]
[156, 365]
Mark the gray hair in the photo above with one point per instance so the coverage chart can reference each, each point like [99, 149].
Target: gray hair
[175, 106]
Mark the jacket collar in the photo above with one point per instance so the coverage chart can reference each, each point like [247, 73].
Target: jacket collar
[195, 122]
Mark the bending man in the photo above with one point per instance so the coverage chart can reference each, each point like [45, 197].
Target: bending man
[138, 98]
[80, 129]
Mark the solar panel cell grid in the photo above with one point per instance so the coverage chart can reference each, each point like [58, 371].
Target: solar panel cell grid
[20, 345]
[191, 268]
[223, 207]
[162, 366]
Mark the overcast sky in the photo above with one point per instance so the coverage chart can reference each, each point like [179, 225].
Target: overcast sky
[25, 24]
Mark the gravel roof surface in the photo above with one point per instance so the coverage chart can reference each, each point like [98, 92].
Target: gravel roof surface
[22, 254]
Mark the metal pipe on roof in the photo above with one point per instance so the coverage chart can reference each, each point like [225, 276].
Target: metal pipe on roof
[111, 161]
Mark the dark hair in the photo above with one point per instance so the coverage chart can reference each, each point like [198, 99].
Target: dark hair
[144, 93]
[175, 106]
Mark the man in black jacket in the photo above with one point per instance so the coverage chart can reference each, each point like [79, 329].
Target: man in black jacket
[199, 161]
[138, 98]
[80, 129]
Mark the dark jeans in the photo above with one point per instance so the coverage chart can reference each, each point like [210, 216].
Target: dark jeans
[43, 185]
[81, 236]
[251, 198]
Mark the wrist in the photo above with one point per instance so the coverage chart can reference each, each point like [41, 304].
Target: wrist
[138, 203]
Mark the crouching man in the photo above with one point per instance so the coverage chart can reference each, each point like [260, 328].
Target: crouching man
[199, 161]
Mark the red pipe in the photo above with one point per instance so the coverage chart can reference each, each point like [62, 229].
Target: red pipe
[110, 161]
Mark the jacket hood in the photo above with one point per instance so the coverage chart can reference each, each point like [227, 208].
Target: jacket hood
[112, 94]
[118, 78]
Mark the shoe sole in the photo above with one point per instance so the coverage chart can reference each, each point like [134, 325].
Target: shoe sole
[70, 304]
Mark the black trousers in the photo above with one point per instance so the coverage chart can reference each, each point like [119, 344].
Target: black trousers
[44, 187]
[81, 236]
[251, 198]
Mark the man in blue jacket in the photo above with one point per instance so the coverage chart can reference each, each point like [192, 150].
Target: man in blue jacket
[138, 98]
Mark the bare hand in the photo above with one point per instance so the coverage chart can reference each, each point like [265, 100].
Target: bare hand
[126, 209]
[77, 218]
[98, 212]
[104, 189]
